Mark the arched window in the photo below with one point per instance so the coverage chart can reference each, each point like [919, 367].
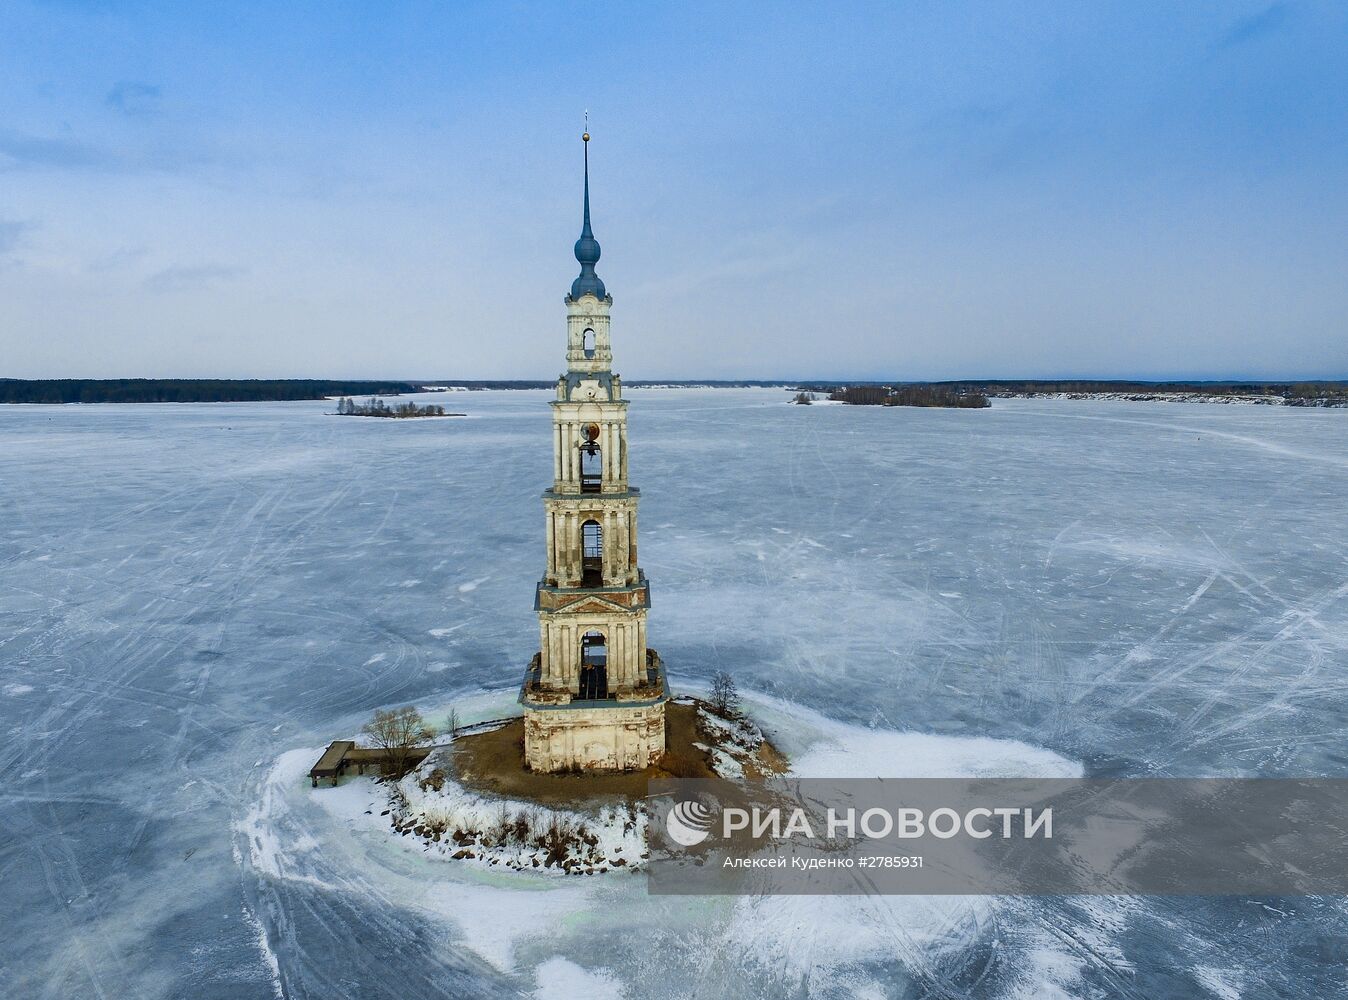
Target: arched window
[592, 554]
[593, 666]
[587, 342]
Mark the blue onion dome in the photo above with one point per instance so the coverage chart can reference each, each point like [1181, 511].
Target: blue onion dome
[587, 247]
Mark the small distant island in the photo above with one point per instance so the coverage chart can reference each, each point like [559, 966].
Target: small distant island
[376, 407]
[902, 395]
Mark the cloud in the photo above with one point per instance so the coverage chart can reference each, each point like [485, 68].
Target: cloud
[183, 278]
[11, 234]
[131, 97]
[33, 151]
[1269, 20]
[23, 151]
[116, 260]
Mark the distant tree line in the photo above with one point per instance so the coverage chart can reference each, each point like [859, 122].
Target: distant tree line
[1293, 393]
[376, 407]
[908, 395]
[196, 390]
[1324, 393]
[175, 390]
[687, 383]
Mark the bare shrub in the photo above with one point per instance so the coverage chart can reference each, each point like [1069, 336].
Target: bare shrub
[557, 839]
[500, 831]
[525, 820]
[397, 731]
[725, 699]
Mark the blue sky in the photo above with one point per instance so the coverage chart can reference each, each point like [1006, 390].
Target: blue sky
[910, 190]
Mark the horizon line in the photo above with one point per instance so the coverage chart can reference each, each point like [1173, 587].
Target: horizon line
[771, 379]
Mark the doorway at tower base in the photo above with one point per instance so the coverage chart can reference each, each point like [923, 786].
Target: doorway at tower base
[563, 732]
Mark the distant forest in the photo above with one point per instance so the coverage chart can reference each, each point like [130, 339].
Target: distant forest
[1292, 393]
[187, 390]
[198, 390]
[1289, 391]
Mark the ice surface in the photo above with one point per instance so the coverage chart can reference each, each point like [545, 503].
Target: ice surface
[196, 598]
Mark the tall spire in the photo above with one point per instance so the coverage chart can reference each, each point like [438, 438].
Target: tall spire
[587, 247]
[585, 227]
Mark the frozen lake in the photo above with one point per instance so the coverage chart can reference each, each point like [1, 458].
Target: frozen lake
[191, 593]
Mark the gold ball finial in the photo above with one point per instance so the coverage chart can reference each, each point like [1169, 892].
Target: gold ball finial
[585, 137]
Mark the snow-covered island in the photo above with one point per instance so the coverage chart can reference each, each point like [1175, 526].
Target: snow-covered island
[472, 799]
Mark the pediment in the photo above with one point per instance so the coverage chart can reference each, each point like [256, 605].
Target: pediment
[592, 606]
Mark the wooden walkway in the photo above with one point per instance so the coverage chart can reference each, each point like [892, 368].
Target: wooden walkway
[341, 754]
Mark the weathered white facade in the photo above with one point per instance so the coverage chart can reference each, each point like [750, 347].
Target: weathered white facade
[594, 697]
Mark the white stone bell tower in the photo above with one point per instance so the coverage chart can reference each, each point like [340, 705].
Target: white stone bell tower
[594, 697]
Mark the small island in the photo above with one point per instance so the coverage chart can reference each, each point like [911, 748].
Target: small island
[376, 407]
[902, 395]
[466, 793]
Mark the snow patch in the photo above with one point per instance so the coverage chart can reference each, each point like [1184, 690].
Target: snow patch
[268, 956]
[867, 753]
[562, 979]
[268, 851]
[1221, 983]
[447, 820]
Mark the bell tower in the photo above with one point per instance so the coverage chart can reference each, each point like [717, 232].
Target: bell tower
[594, 696]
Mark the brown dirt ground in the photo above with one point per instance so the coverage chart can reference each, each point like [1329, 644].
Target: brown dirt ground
[493, 762]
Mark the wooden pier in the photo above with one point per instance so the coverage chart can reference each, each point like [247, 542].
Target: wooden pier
[342, 754]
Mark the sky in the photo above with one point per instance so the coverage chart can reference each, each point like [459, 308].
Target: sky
[880, 190]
